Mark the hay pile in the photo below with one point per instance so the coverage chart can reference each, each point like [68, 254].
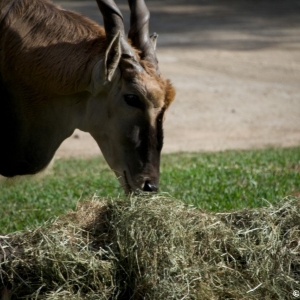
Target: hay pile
[154, 247]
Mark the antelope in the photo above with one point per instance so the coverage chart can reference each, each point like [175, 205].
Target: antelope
[60, 71]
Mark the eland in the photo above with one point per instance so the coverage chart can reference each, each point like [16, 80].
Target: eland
[60, 71]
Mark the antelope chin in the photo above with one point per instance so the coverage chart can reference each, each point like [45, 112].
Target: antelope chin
[126, 186]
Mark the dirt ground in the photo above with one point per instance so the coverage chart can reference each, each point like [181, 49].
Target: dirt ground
[236, 68]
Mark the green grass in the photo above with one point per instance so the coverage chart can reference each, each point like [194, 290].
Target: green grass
[232, 179]
[213, 181]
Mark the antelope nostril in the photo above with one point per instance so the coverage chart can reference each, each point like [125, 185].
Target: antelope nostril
[148, 187]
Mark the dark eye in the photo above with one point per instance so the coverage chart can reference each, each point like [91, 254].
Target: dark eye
[134, 101]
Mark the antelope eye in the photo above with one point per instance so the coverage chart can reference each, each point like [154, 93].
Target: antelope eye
[134, 101]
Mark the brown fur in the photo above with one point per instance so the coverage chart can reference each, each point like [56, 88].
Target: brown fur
[164, 84]
[46, 40]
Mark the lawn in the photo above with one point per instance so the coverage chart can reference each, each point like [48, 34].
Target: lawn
[211, 181]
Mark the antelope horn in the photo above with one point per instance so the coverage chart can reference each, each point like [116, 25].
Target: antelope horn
[139, 31]
[113, 23]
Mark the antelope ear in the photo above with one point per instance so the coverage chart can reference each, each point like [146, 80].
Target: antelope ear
[112, 57]
[104, 69]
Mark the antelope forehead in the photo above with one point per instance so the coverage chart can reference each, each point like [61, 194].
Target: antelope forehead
[156, 97]
[153, 92]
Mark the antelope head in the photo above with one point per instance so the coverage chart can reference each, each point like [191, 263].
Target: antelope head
[134, 98]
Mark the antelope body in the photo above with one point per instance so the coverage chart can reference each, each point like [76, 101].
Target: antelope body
[60, 71]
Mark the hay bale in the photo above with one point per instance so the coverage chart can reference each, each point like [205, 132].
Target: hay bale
[155, 247]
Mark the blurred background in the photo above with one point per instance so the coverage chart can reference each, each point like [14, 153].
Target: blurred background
[236, 69]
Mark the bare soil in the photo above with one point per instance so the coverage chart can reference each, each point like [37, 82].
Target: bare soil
[236, 68]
